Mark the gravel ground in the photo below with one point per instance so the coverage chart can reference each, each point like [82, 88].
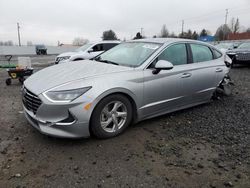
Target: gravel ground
[204, 146]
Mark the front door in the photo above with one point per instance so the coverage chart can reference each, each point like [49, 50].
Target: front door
[164, 92]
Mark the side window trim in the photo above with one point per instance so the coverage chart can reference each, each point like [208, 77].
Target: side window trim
[214, 50]
[189, 53]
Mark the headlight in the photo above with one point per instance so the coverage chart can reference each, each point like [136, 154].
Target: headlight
[66, 95]
[64, 58]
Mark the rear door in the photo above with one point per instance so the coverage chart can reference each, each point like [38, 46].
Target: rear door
[204, 68]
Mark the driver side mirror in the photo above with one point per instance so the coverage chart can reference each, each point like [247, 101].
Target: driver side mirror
[162, 65]
[90, 50]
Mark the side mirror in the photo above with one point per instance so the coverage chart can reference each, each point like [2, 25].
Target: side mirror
[90, 50]
[162, 65]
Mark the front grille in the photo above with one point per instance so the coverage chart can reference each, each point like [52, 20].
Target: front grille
[243, 56]
[31, 101]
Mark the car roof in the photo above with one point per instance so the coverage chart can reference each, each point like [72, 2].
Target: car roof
[165, 40]
[107, 41]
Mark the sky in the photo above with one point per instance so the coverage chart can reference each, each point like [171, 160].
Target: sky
[50, 21]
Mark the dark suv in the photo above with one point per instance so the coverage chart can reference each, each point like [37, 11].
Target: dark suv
[240, 55]
[41, 49]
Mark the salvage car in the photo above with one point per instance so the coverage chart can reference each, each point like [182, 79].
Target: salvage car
[241, 55]
[131, 82]
[86, 51]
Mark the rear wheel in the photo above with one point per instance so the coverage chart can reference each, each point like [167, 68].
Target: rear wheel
[8, 81]
[111, 116]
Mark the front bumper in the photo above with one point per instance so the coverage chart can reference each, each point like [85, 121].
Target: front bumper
[240, 59]
[67, 121]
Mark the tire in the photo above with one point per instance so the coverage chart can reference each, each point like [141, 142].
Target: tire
[114, 108]
[21, 80]
[8, 81]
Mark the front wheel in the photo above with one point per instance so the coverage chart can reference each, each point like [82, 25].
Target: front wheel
[111, 116]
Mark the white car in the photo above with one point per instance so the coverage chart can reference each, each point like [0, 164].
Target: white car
[87, 51]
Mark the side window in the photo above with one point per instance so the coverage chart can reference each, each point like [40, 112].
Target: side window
[217, 54]
[201, 53]
[98, 47]
[108, 46]
[176, 54]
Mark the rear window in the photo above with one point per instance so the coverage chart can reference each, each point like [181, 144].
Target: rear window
[201, 53]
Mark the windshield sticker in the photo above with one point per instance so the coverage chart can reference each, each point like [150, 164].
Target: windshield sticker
[150, 46]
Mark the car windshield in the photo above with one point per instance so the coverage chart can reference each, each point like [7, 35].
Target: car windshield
[245, 45]
[83, 48]
[131, 54]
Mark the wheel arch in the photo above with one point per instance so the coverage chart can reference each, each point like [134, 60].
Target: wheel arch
[78, 59]
[118, 91]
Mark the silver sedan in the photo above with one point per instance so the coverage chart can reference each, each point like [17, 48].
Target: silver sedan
[131, 82]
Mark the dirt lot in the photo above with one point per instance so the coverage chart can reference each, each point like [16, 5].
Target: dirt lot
[205, 146]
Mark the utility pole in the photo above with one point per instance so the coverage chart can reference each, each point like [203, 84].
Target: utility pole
[182, 27]
[18, 32]
[226, 16]
[224, 35]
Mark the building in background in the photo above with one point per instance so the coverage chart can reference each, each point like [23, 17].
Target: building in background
[239, 36]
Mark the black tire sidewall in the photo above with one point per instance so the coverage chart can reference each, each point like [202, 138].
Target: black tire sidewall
[95, 126]
[8, 81]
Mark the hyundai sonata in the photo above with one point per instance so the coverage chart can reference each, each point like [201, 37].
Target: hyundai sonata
[131, 82]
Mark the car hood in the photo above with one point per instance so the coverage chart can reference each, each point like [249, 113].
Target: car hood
[69, 54]
[67, 72]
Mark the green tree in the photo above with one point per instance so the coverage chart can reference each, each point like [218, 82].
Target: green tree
[138, 36]
[204, 33]
[109, 35]
[195, 35]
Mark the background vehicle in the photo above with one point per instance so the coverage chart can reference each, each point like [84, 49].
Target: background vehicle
[241, 55]
[130, 82]
[224, 46]
[87, 51]
[41, 49]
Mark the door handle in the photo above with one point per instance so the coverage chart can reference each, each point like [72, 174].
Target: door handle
[186, 75]
[218, 70]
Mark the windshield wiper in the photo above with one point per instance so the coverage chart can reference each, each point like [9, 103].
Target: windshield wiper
[107, 61]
